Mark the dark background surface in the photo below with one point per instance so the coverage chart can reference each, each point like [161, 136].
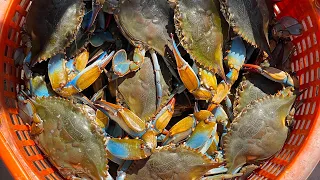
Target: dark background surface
[5, 175]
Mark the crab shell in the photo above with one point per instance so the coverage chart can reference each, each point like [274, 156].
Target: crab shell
[145, 22]
[259, 131]
[52, 26]
[199, 28]
[69, 138]
[171, 162]
[139, 91]
[250, 19]
[253, 87]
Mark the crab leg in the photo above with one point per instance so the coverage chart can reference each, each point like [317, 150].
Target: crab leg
[157, 70]
[189, 77]
[235, 59]
[59, 78]
[205, 133]
[132, 149]
[164, 116]
[96, 7]
[272, 74]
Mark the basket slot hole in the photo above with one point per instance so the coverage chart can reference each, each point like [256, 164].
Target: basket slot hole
[13, 119]
[48, 177]
[26, 150]
[22, 2]
[16, 16]
[302, 78]
[34, 150]
[305, 93]
[20, 137]
[26, 135]
[10, 33]
[301, 139]
[312, 75]
[307, 109]
[11, 87]
[309, 42]
[304, 25]
[55, 176]
[274, 170]
[295, 140]
[317, 56]
[41, 163]
[23, 20]
[5, 85]
[314, 37]
[306, 61]
[313, 107]
[302, 109]
[311, 90]
[8, 52]
[311, 58]
[290, 156]
[292, 66]
[308, 124]
[299, 48]
[302, 124]
[317, 91]
[28, 7]
[279, 170]
[276, 8]
[304, 45]
[36, 163]
[16, 37]
[310, 21]
[297, 125]
[297, 65]
[291, 138]
[307, 78]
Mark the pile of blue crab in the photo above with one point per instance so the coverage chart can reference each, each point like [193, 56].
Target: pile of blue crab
[157, 89]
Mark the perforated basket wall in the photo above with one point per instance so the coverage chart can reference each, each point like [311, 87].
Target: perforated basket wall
[295, 161]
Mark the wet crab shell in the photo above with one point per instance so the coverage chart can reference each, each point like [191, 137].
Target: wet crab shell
[199, 28]
[171, 162]
[145, 22]
[259, 131]
[52, 26]
[70, 139]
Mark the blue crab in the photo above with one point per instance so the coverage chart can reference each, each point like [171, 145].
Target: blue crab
[53, 25]
[145, 25]
[198, 41]
[70, 139]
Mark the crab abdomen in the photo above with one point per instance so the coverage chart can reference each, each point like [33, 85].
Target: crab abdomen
[139, 91]
[69, 140]
[198, 25]
[258, 132]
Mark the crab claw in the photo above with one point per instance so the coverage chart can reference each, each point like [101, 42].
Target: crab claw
[203, 134]
[131, 149]
[68, 84]
[180, 131]
[127, 120]
[235, 59]
[273, 74]
[122, 66]
[163, 117]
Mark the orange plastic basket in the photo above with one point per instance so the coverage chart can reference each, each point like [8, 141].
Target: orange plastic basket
[295, 161]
